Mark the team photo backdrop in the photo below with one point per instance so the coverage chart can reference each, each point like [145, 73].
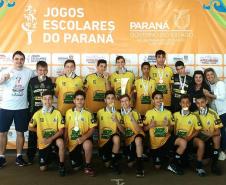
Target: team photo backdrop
[84, 30]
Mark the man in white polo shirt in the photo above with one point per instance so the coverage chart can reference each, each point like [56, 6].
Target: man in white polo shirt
[14, 82]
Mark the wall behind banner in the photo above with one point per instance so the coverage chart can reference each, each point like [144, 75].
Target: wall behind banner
[191, 31]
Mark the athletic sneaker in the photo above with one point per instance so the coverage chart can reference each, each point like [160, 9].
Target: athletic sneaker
[61, 171]
[175, 169]
[201, 172]
[20, 161]
[2, 162]
[215, 169]
[140, 173]
[89, 171]
[75, 166]
[222, 156]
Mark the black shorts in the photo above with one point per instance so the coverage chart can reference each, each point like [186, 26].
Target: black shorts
[130, 150]
[105, 151]
[76, 154]
[48, 154]
[20, 118]
[165, 151]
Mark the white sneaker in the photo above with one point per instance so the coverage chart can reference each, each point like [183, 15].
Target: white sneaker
[222, 156]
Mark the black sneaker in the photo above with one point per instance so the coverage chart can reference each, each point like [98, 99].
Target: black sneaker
[175, 169]
[2, 162]
[20, 161]
[62, 171]
[215, 169]
[75, 166]
[201, 172]
[140, 173]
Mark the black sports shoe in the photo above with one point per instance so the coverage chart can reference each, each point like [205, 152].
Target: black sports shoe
[175, 169]
[201, 172]
[75, 166]
[116, 168]
[20, 161]
[215, 169]
[2, 162]
[62, 171]
[140, 173]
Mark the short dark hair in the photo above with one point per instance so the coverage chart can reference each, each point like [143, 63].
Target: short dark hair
[101, 61]
[145, 64]
[47, 92]
[109, 92]
[200, 96]
[80, 93]
[120, 57]
[41, 64]
[69, 61]
[179, 63]
[18, 53]
[156, 93]
[185, 96]
[160, 52]
[125, 95]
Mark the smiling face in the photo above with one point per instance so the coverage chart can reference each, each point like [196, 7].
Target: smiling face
[110, 100]
[201, 103]
[185, 103]
[47, 101]
[125, 102]
[101, 68]
[157, 101]
[18, 61]
[120, 63]
[210, 77]
[69, 68]
[198, 79]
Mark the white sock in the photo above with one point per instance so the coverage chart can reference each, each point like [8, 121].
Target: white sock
[17, 155]
[2, 156]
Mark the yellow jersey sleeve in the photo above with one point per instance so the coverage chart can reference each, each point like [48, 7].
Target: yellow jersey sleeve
[33, 122]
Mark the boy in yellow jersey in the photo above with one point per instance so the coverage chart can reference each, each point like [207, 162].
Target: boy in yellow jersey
[210, 132]
[66, 86]
[162, 75]
[186, 129]
[96, 85]
[48, 124]
[158, 121]
[79, 129]
[110, 126]
[121, 80]
[143, 89]
[134, 134]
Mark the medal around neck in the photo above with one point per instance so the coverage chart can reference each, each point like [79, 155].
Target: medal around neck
[124, 82]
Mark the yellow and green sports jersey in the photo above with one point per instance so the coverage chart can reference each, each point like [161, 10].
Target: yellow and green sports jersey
[165, 85]
[210, 122]
[144, 89]
[95, 92]
[48, 124]
[106, 125]
[77, 124]
[185, 125]
[160, 133]
[115, 80]
[65, 90]
[130, 131]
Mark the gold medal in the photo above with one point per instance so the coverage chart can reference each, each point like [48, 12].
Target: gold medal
[76, 129]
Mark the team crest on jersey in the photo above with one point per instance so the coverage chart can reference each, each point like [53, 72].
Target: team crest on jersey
[154, 75]
[208, 122]
[54, 120]
[82, 119]
[64, 83]
[189, 122]
[140, 86]
[101, 118]
[41, 119]
[94, 82]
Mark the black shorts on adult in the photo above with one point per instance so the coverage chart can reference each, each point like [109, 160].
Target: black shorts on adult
[20, 118]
